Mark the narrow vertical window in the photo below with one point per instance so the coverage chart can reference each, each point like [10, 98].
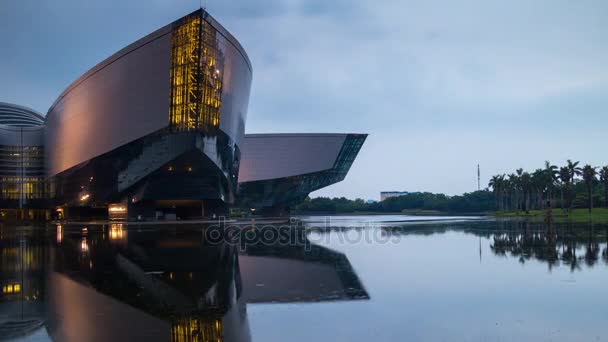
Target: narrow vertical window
[197, 66]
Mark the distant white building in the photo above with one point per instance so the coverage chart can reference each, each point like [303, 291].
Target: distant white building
[388, 194]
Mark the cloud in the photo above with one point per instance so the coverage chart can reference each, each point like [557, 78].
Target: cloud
[432, 81]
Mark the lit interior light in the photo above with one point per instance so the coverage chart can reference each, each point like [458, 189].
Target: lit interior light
[117, 232]
[189, 168]
[84, 197]
[17, 288]
[170, 168]
[59, 233]
[84, 246]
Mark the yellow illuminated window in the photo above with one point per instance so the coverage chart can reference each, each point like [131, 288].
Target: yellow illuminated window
[193, 329]
[196, 76]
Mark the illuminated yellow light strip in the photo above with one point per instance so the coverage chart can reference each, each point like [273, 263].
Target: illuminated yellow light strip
[195, 87]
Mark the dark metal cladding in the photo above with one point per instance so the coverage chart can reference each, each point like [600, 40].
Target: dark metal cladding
[162, 119]
[275, 189]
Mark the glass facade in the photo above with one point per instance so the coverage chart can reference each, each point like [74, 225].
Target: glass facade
[197, 66]
[281, 193]
[24, 257]
[22, 172]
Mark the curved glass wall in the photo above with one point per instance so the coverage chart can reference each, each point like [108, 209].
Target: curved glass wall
[22, 174]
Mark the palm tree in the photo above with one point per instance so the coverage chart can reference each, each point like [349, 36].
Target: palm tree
[526, 186]
[496, 183]
[589, 177]
[564, 178]
[539, 184]
[604, 180]
[517, 187]
[551, 173]
[574, 170]
[514, 191]
[508, 191]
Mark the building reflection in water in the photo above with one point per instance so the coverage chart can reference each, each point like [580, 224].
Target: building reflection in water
[128, 283]
[23, 257]
[114, 283]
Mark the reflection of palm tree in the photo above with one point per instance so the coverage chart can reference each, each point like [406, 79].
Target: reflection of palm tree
[569, 255]
[543, 242]
[592, 248]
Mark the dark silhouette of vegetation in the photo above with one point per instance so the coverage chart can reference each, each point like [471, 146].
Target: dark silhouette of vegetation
[589, 178]
[524, 191]
[474, 202]
[604, 180]
[566, 187]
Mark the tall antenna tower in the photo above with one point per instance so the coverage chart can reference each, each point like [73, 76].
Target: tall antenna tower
[478, 179]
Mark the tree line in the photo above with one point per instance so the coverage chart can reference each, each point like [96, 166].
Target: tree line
[568, 187]
[474, 202]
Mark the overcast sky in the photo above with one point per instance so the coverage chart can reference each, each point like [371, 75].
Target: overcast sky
[439, 85]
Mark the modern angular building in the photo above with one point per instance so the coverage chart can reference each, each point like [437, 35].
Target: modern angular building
[183, 288]
[157, 130]
[158, 125]
[280, 170]
[22, 179]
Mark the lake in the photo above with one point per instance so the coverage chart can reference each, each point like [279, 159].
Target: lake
[337, 278]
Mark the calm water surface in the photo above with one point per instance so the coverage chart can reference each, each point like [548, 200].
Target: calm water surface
[342, 278]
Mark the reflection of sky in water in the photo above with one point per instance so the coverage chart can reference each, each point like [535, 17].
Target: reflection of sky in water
[450, 280]
[377, 220]
[449, 286]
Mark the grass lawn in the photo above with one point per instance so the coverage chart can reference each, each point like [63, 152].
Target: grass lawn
[576, 215]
